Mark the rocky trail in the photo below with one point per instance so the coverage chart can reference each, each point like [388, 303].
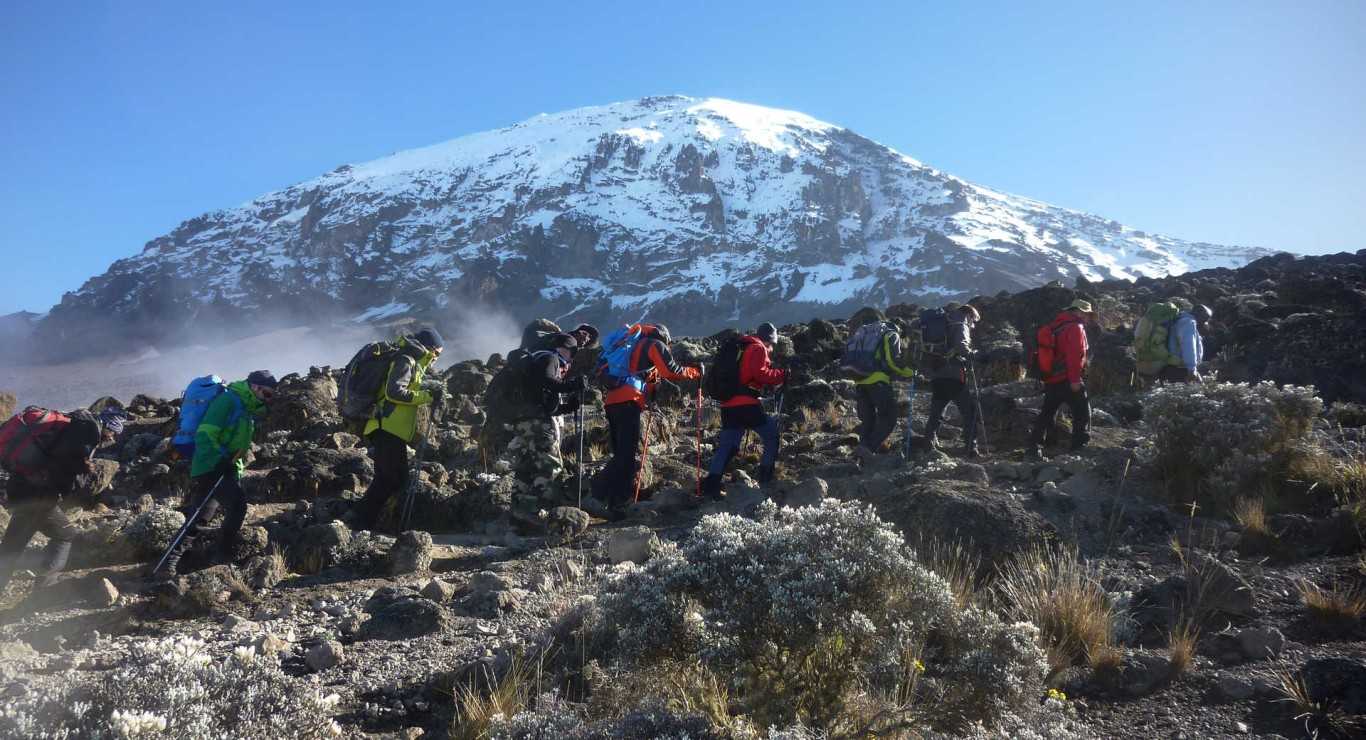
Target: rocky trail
[1211, 625]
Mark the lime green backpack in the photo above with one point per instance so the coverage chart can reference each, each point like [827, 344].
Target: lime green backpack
[1150, 338]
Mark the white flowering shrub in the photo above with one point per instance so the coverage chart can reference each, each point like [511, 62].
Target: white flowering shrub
[821, 617]
[172, 688]
[1217, 441]
[149, 534]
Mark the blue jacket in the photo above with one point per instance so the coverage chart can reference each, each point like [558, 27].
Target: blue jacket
[1184, 341]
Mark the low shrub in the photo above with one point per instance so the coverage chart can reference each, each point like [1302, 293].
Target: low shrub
[819, 617]
[1217, 441]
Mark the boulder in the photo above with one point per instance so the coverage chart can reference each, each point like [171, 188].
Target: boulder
[411, 553]
[632, 544]
[1260, 643]
[814, 395]
[103, 593]
[404, 619]
[264, 571]
[300, 401]
[324, 655]
[438, 590]
[1220, 588]
[100, 477]
[565, 523]
[810, 492]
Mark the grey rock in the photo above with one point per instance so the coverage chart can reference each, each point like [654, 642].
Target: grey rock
[269, 644]
[565, 523]
[809, 492]
[104, 593]
[1261, 643]
[404, 619]
[1234, 688]
[1049, 474]
[324, 655]
[238, 623]
[438, 590]
[1221, 588]
[411, 553]
[632, 544]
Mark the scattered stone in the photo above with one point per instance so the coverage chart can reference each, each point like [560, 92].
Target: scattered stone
[104, 594]
[1241, 728]
[324, 655]
[1260, 643]
[411, 553]
[403, 620]
[565, 523]
[1049, 474]
[438, 590]
[341, 441]
[238, 623]
[1234, 688]
[264, 571]
[809, 492]
[1221, 588]
[269, 644]
[632, 544]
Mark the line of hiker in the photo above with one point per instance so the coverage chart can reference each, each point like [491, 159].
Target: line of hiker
[545, 381]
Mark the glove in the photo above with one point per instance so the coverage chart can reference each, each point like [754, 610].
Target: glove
[422, 398]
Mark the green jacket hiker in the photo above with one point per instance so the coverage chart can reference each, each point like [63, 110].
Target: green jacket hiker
[886, 357]
[402, 392]
[227, 429]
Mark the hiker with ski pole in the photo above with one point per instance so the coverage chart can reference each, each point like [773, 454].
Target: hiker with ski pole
[222, 436]
[634, 359]
[950, 362]
[871, 357]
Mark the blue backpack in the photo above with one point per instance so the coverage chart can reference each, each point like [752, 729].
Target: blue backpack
[194, 403]
[614, 364]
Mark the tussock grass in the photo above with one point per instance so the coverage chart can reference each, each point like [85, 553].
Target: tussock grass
[1063, 597]
[1250, 513]
[1181, 646]
[1338, 608]
[1321, 719]
[955, 563]
[486, 697]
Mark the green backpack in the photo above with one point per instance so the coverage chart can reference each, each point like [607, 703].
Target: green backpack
[1150, 338]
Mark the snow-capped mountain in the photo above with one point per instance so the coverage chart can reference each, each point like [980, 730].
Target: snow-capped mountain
[699, 212]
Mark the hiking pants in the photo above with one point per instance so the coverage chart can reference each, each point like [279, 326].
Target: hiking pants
[735, 421]
[1054, 396]
[946, 391]
[390, 455]
[876, 413]
[28, 517]
[618, 480]
[229, 496]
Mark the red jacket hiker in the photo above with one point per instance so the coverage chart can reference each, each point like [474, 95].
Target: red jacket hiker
[755, 373]
[1069, 355]
[653, 353]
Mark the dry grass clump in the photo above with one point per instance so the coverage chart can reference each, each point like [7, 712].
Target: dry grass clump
[1181, 646]
[1063, 597]
[1321, 719]
[1338, 608]
[955, 563]
[486, 698]
[1341, 477]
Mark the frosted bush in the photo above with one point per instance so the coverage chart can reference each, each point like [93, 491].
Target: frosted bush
[813, 612]
[173, 688]
[149, 534]
[1218, 441]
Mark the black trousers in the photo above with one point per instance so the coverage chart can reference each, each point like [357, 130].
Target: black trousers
[390, 454]
[946, 391]
[876, 413]
[617, 482]
[1054, 396]
[27, 518]
[229, 496]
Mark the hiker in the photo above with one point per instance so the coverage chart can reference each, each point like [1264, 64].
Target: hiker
[393, 425]
[871, 355]
[1061, 359]
[45, 452]
[949, 378]
[644, 361]
[221, 442]
[1186, 346]
[535, 421]
[743, 411]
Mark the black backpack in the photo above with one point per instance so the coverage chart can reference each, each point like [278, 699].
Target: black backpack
[515, 386]
[930, 337]
[722, 382]
[363, 379]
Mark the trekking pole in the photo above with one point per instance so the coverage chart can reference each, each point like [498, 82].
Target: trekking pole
[406, 511]
[977, 401]
[578, 427]
[644, 453]
[910, 418]
[697, 469]
[189, 522]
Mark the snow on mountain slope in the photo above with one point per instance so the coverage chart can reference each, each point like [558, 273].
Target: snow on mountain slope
[696, 211]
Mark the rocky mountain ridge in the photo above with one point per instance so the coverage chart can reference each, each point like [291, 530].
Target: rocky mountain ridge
[695, 212]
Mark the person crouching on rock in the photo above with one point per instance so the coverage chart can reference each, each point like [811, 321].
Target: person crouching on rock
[220, 446]
[391, 433]
[743, 411]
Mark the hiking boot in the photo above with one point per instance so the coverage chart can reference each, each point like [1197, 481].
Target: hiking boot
[616, 514]
[1034, 453]
[711, 487]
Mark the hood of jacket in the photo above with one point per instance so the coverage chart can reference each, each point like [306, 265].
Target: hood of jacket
[250, 402]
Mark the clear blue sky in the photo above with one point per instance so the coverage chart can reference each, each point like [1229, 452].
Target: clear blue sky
[1233, 122]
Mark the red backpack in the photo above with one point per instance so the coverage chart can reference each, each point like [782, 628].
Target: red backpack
[24, 439]
[1045, 351]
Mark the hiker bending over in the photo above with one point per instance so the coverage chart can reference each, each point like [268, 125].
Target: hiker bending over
[221, 442]
[949, 378]
[395, 423]
[743, 411]
[639, 360]
[1062, 358]
[44, 453]
[871, 355]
